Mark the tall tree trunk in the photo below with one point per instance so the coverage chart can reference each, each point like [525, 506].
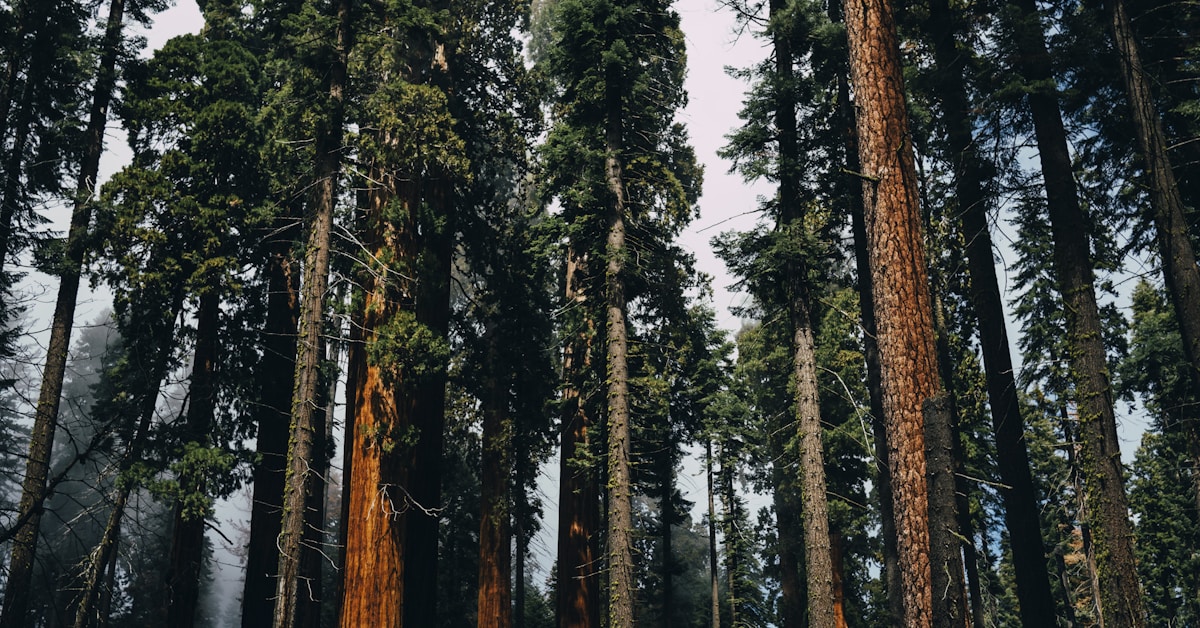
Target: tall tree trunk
[945, 505]
[667, 508]
[792, 607]
[276, 372]
[578, 603]
[304, 457]
[902, 304]
[395, 491]
[1100, 454]
[1174, 246]
[621, 589]
[866, 305]
[41, 438]
[1008, 427]
[187, 539]
[713, 568]
[494, 602]
[814, 501]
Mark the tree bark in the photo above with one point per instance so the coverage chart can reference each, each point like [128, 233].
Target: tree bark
[621, 586]
[1008, 427]
[395, 493]
[578, 603]
[277, 371]
[494, 602]
[187, 538]
[306, 431]
[1175, 250]
[1100, 454]
[41, 439]
[902, 303]
[713, 575]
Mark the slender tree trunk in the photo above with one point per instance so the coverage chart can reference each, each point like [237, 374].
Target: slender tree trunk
[187, 539]
[620, 508]
[303, 455]
[41, 439]
[713, 569]
[945, 505]
[1008, 427]
[578, 603]
[494, 601]
[667, 508]
[522, 546]
[277, 371]
[1100, 454]
[1175, 250]
[814, 501]
[902, 303]
[792, 609]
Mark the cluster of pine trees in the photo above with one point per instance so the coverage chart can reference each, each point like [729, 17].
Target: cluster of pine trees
[442, 238]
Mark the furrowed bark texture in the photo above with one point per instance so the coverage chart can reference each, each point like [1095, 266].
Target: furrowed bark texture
[1019, 492]
[866, 306]
[902, 303]
[1100, 455]
[620, 508]
[305, 433]
[395, 493]
[494, 601]
[41, 438]
[578, 603]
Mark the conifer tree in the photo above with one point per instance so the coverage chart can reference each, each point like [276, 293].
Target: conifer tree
[903, 311]
[1100, 459]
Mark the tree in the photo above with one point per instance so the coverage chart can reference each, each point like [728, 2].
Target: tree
[33, 491]
[903, 310]
[300, 479]
[1019, 492]
[1100, 460]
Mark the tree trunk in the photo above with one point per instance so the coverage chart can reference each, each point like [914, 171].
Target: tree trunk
[187, 539]
[1100, 454]
[902, 305]
[395, 492]
[621, 587]
[866, 305]
[1012, 458]
[578, 603]
[1175, 250]
[304, 458]
[945, 500]
[814, 501]
[41, 438]
[276, 372]
[494, 601]
[713, 571]
[792, 609]
[667, 509]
